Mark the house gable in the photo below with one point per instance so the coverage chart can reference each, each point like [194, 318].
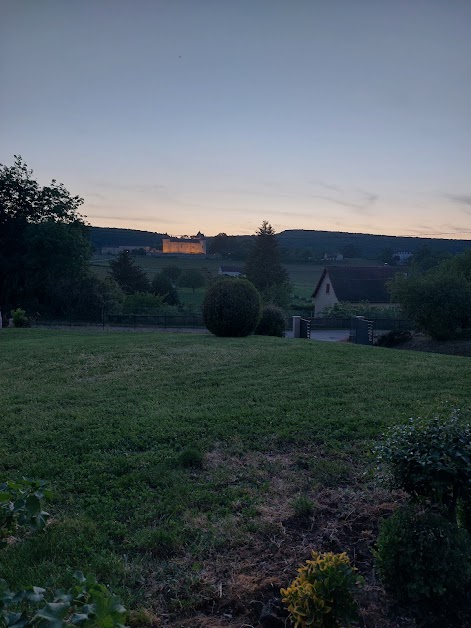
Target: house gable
[324, 295]
[354, 284]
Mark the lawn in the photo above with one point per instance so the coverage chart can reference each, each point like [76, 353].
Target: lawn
[112, 421]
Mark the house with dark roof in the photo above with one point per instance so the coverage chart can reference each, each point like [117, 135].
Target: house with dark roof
[353, 284]
[231, 271]
[333, 257]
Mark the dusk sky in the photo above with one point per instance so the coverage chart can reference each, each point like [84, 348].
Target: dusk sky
[177, 116]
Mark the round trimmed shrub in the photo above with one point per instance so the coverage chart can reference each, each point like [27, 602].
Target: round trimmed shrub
[231, 307]
[272, 322]
[423, 557]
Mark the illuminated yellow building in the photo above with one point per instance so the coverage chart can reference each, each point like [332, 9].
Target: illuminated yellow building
[189, 246]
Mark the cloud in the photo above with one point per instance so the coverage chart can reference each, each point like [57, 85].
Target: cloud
[362, 207]
[327, 186]
[357, 199]
[149, 220]
[133, 187]
[461, 199]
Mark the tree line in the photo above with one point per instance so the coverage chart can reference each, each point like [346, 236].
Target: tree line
[45, 257]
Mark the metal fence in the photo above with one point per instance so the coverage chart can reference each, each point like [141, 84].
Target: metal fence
[154, 320]
[161, 321]
[380, 324]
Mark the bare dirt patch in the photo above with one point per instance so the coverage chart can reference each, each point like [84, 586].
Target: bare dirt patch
[238, 580]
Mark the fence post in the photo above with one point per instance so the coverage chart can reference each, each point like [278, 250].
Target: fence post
[103, 317]
[296, 326]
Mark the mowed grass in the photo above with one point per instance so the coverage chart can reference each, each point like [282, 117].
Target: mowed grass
[114, 420]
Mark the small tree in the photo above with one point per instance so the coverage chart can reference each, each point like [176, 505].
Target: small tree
[162, 286]
[172, 272]
[192, 278]
[231, 307]
[130, 277]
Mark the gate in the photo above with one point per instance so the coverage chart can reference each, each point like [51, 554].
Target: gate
[305, 328]
[301, 327]
[362, 331]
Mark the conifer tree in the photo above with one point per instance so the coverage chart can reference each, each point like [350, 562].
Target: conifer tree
[130, 277]
[263, 267]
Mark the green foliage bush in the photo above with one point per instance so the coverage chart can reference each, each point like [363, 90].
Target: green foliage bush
[303, 507]
[272, 322]
[429, 459]
[322, 595]
[21, 505]
[191, 458]
[393, 338]
[143, 303]
[231, 307]
[422, 556]
[346, 309]
[439, 301]
[19, 318]
[87, 604]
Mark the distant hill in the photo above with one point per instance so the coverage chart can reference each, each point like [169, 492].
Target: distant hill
[367, 245]
[109, 236]
[360, 244]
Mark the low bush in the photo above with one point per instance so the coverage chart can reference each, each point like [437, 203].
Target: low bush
[191, 458]
[21, 505]
[303, 507]
[88, 603]
[393, 338]
[366, 309]
[19, 318]
[422, 556]
[231, 307]
[322, 595]
[272, 322]
[429, 459]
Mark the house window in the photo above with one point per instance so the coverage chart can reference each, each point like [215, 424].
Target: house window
[327, 288]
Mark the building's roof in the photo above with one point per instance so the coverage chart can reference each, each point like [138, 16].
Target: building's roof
[232, 269]
[355, 283]
[184, 240]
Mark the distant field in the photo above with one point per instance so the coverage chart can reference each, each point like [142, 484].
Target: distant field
[304, 277]
[105, 418]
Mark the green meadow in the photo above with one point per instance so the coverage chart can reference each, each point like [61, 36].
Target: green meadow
[162, 449]
[303, 276]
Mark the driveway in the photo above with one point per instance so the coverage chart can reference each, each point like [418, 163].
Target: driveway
[326, 335]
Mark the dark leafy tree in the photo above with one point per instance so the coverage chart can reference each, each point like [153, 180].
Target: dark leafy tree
[43, 241]
[192, 278]
[350, 250]
[163, 286]
[130, 277]
[426, 258]
[387, 257]
[231, 307]
[438, 301]
[172, 272]
[220, 245]
[263, 267]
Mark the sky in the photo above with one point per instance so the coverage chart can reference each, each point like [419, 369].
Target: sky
[178, 116]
